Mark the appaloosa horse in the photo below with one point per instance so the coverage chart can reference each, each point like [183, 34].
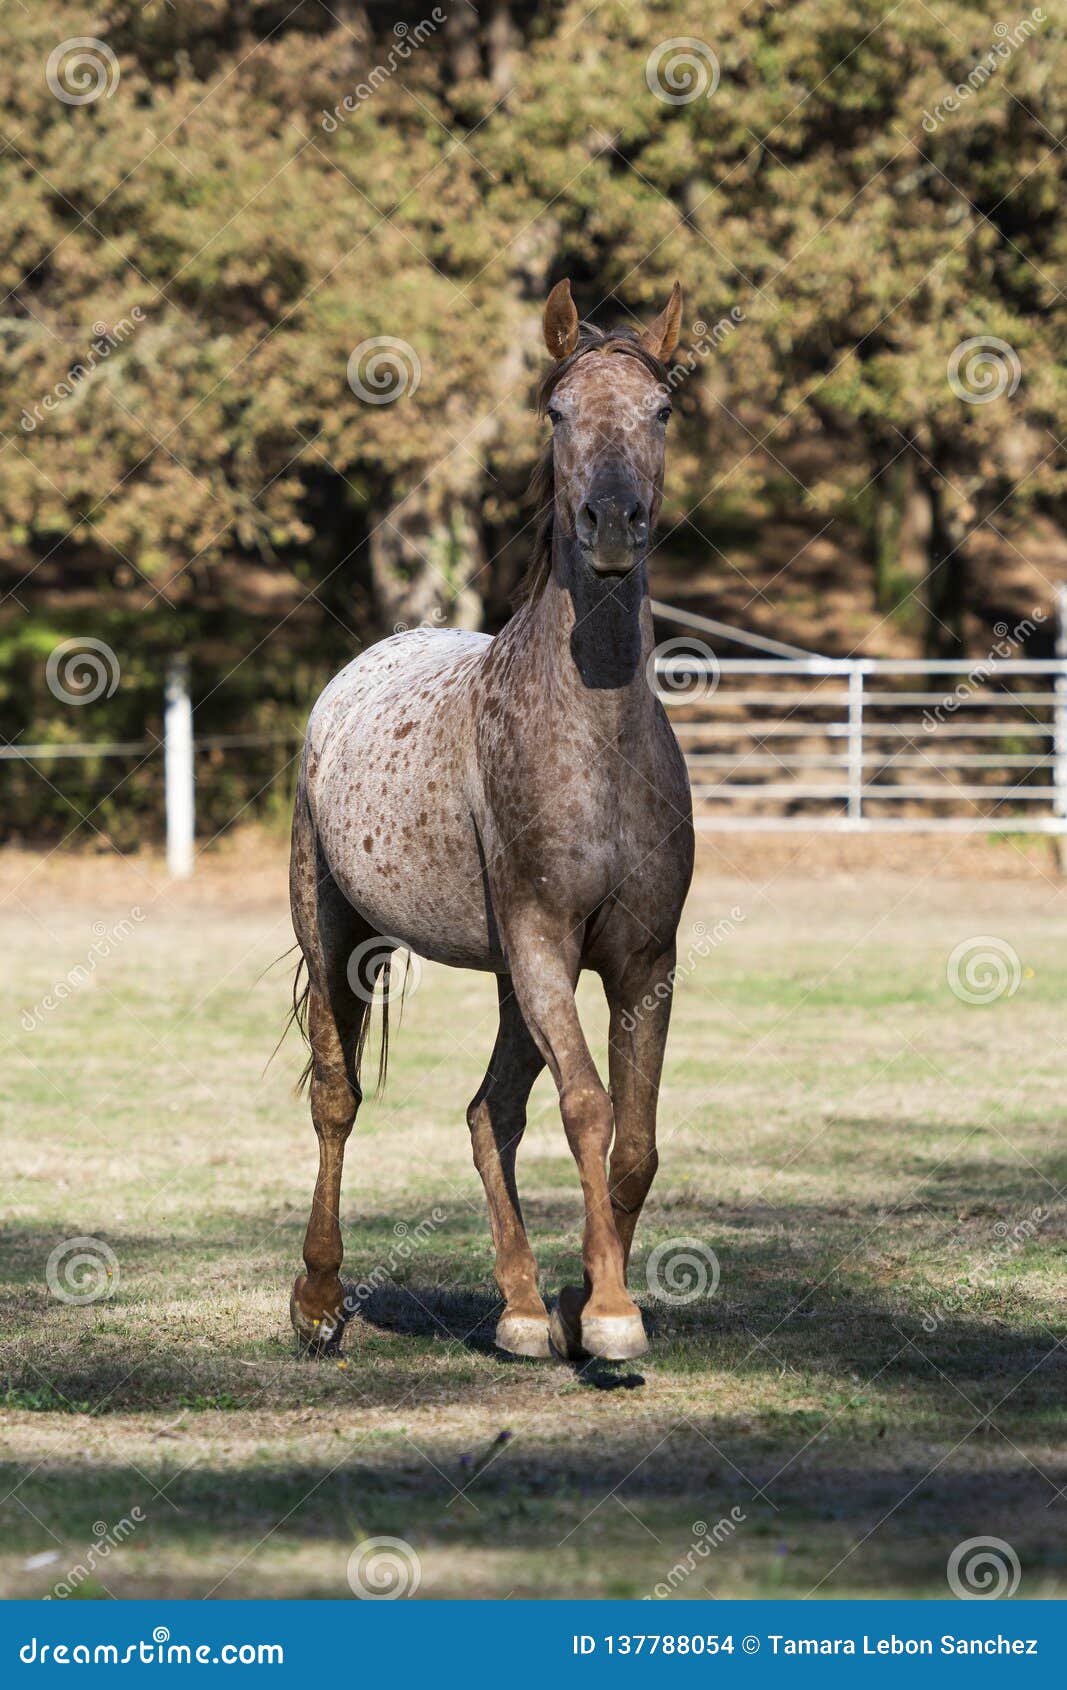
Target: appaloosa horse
[517, 805]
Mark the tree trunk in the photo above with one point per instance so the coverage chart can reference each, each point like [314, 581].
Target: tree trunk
[425, 553]
[503, 41]
[943, 594]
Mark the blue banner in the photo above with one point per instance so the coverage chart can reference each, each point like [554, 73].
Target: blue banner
[534, 1645]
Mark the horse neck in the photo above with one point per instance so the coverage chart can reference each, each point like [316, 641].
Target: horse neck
[593, 636]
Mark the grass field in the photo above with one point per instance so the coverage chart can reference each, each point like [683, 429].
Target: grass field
[876, 1165]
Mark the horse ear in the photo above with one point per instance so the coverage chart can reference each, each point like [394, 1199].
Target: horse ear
[561, 321]
[661, 337]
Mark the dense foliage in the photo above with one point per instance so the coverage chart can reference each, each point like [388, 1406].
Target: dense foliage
[254, 189]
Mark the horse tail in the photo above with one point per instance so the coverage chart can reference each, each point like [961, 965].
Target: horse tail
[385, 976]
[298, 1017]
[383, 1048]
[338, 941]
[298, 1014]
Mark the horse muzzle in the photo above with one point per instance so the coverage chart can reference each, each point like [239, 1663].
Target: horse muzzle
[612, 527]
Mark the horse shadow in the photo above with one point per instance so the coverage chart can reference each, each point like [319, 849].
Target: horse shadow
[435, 1312]
[467, 1319]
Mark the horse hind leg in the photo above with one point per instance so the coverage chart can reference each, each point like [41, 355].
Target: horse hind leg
[497, 1120]
[329, 931]
[317, 1306]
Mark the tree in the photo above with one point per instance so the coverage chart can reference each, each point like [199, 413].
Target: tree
[272, 282]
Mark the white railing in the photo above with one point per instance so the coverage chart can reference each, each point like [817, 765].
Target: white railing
[865, 744]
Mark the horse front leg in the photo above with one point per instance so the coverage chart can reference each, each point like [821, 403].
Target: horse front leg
[599, 1318]
[639, 997]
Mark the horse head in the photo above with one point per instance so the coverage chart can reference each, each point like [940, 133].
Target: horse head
[608, 399]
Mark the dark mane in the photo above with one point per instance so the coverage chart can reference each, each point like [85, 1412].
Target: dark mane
[542, 491]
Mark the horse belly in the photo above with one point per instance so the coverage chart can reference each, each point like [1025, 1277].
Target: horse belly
[418, 880]
[388, 783]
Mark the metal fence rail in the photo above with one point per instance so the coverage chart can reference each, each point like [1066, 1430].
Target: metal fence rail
[870, 744]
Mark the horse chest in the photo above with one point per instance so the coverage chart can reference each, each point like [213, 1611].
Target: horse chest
[573, 815]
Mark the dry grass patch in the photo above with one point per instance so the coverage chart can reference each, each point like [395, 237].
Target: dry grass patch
[879, 1375]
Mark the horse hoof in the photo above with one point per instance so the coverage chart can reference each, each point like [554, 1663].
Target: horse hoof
[523, 1335]
[615, 1337]
[318, 1334]
[577, 1336]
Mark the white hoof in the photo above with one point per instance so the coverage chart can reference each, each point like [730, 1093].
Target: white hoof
[523, 1335]
[577, 1336]
[617, 1337]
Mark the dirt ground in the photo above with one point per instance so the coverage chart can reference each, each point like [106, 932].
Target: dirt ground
[851, 1263]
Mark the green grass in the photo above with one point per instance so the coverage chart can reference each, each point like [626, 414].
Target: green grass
[878, 1376]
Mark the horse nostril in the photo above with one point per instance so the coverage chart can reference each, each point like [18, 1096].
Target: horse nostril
[589, 515]
[636, 518]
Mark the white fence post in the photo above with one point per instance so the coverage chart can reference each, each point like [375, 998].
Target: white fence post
[855, 742]
[178, 769]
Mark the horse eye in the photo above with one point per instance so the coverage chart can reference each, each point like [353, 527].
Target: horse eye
[664, 415]
[553, 415]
